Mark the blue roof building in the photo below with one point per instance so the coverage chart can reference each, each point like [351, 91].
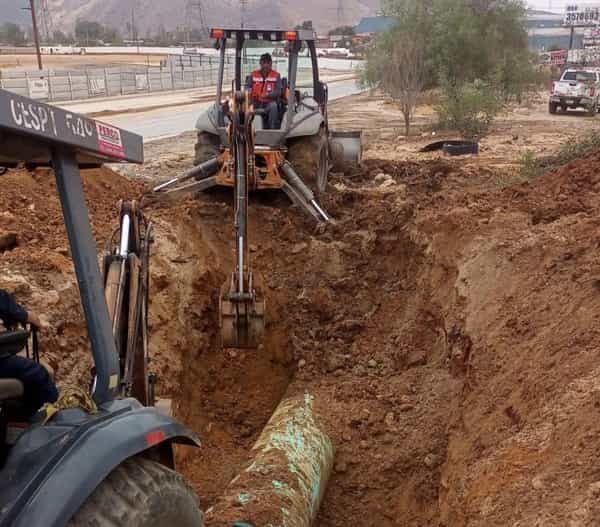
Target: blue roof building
[374, 24]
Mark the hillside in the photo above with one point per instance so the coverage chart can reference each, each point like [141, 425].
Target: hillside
[170, 15]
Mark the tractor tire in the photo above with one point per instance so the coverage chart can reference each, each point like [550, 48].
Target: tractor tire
[305, 154]
[207, 147]
[140, 493]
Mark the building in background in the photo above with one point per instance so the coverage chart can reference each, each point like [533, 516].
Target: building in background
[372, 25]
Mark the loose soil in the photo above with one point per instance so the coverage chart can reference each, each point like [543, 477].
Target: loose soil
[446, 323]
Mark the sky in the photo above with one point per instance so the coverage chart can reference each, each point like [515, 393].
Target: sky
[11, 9]
[554, 5]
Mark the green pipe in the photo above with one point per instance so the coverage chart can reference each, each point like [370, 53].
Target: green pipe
[285, 482]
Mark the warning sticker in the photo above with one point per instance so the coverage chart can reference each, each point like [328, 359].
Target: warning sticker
[109, 140]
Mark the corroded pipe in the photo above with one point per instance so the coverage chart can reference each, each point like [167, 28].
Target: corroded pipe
[284, 484]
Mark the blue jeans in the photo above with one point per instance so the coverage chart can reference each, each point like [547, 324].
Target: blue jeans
[39, 387]
[272, 117]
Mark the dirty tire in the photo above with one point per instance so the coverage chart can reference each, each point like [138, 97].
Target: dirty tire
[304, 154]
[140, 493]
[207, 147]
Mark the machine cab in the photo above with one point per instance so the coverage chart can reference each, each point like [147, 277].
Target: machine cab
[304, 100]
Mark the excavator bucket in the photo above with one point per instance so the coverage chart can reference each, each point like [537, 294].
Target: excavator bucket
[346, 148]
[241, 317]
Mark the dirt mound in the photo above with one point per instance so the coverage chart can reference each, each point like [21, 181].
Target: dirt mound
[425, 322]
[446, 326]
[37, 266]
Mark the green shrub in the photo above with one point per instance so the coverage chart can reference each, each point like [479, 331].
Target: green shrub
[469, 108]
[531, 167]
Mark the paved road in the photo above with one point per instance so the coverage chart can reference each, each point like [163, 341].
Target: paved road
[167, 122]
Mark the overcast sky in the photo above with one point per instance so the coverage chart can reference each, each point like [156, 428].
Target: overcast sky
[11, 9]
[549, 4]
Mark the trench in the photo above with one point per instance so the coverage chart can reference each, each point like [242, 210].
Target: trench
[358, 314]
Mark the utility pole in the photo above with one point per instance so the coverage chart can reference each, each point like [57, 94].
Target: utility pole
[134, 31]
[36, 34]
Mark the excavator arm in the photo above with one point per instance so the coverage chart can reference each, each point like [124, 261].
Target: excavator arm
[242, 305]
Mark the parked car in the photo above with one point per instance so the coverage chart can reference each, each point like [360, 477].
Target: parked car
[577, 88]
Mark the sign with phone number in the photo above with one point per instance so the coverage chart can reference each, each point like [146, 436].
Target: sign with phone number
[576, 15]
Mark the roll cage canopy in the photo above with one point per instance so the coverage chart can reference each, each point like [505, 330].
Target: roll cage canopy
[295, 39]
[270, 35]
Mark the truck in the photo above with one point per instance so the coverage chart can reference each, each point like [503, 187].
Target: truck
[577, 88]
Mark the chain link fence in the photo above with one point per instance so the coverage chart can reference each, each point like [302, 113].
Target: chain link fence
[178, 73]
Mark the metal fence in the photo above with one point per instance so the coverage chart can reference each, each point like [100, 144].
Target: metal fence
[86, 83]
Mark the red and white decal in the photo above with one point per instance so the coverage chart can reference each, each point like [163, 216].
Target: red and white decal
[109, 140]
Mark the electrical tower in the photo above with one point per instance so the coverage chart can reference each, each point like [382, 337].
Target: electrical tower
[194, 17]
[340, 12]
[243, 10]
[45, 20]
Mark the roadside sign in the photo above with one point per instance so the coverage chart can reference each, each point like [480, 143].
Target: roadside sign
[584, 15]
[38, 88]
[141, 82]
[97, 86]
[558, 58]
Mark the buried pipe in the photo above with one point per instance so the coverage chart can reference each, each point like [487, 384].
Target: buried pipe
[285, 482]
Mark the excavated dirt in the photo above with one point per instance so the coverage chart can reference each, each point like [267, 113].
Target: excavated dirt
[447, 326]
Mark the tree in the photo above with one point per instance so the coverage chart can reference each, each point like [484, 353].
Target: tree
[307, 24]
[12, 34]
[398, 61]
[405, 76]
[58, 37]
[342, 30]
[464, 42]
[93, 32]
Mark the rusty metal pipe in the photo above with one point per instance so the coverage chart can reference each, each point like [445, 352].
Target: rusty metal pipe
[285, 482]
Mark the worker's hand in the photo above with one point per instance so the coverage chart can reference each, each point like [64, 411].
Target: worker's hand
[34, 320]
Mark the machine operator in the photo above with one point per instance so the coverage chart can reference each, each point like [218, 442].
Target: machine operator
[267, 91]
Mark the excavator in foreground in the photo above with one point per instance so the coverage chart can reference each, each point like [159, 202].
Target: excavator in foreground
[102, 455]
[234, 149]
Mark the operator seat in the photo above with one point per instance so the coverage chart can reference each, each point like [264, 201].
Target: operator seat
[11, 343]
[259, 121]
[11, 389]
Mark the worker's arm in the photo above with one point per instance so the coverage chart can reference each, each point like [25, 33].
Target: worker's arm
[11, 312]
[277, 93]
